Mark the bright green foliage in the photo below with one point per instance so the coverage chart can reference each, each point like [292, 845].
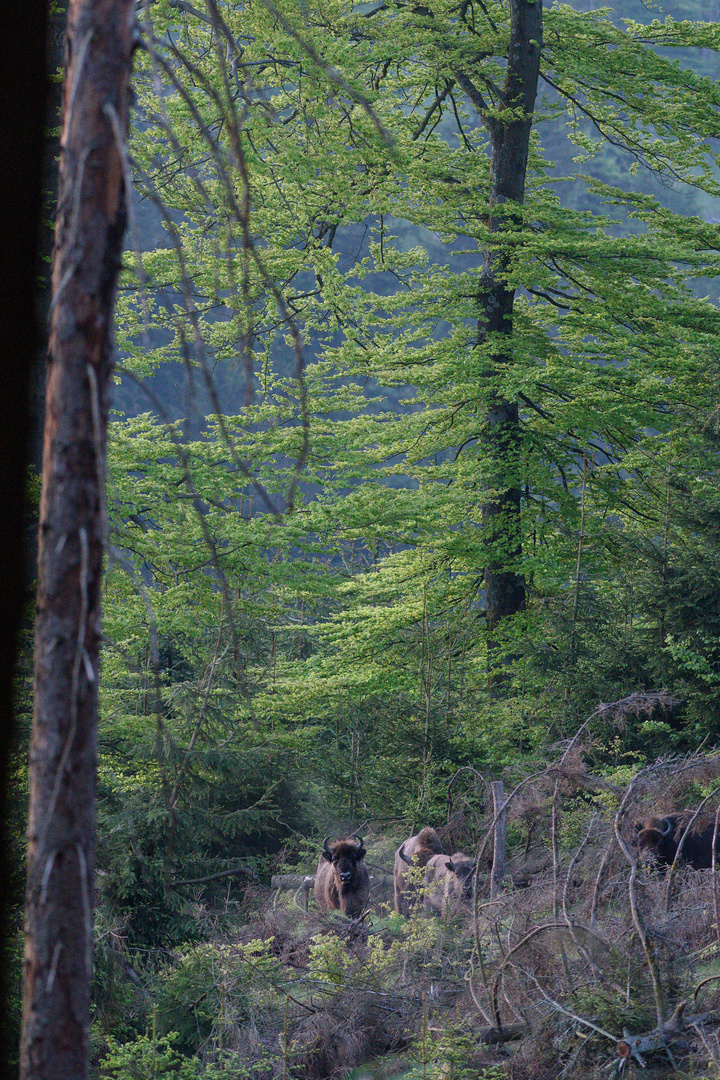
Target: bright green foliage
[147, 1058]
[210, 988]
[325, 182]
[150, 1058]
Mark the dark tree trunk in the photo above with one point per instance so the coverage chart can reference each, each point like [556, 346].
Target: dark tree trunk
[57, 17]
[510, 141]
[61, 848]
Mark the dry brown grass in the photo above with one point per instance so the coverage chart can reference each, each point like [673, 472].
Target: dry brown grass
[595, 946]
[563, 957]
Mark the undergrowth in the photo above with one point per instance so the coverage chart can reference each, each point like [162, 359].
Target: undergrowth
[540, 983]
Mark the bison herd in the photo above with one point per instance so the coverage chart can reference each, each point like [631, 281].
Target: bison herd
[447, 881]
[342, 882]
[424, 873]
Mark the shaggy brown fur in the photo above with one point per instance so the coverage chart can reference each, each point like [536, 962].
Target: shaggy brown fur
[449, 881]
[415, 852]
[658, 839]
[342, 882]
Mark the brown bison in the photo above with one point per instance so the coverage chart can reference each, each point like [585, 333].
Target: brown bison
[449, 882]
[342, 882]
[415, 853]
[658, 838]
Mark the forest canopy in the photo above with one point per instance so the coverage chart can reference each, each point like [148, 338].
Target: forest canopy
[316, 482]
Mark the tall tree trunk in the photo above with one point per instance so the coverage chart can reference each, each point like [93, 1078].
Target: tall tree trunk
[509, 130]
[61, 846]
[57, 19]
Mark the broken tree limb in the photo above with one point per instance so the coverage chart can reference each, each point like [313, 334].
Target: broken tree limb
[248, 870]
[645, 941]
[493, 1036]
[661, 1037]
[290, 881]
[305, 888]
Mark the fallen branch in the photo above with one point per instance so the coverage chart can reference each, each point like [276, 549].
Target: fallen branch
[698, 988]
[583, 1021]
[647, 945]
[660, 1038]
[248, 870]
[493, 1036]
[305, 888]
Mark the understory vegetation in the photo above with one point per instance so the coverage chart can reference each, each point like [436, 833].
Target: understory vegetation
[580, 950]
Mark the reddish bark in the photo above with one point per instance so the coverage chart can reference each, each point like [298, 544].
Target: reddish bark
[61, 845]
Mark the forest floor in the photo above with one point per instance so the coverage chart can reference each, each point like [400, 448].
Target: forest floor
[581, 973]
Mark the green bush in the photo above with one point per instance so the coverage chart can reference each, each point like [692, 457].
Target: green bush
[208, 989]
[147, 1058]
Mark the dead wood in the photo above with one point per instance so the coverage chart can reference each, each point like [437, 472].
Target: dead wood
[247, 870]
[641, 929]
[493, 1036]
[291, 881]
[661, 1037]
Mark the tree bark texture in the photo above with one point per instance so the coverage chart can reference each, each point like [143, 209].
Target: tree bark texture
[61, 833]
[510, 141]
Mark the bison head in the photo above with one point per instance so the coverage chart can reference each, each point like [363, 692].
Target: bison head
[463, 870]
[344, 857]
[655, 839]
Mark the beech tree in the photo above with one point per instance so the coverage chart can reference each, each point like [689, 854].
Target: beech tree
[509, 125]
[88, 239]
[469, 221]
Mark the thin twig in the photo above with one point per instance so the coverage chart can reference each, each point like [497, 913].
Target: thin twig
[650, 959]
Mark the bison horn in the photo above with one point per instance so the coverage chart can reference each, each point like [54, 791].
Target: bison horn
[358, 838]
[666, 826]
[403, 856]
[325, 844]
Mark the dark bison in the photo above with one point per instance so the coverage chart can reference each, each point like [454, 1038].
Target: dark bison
[658, 838]
[449, 882]
[342, 882]
[523, 869]
[414, 853]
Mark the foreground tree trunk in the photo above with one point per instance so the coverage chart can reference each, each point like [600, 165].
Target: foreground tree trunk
[61, 849]
[509, 130]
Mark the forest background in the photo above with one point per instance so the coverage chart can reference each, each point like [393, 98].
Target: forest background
[307, 492]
